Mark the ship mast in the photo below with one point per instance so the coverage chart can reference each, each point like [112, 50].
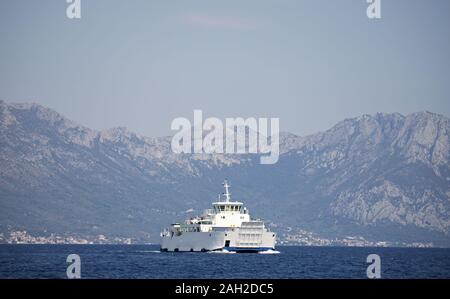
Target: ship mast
[227, 191]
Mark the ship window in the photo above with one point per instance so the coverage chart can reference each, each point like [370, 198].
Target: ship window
[222, 208]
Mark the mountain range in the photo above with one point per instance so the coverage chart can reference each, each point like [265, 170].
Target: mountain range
[383, 177]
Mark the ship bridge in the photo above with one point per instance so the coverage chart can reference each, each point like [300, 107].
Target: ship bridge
[232, 206]
[227, 205]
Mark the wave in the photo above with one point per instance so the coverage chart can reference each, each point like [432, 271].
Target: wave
[222, 251]
[269, 252]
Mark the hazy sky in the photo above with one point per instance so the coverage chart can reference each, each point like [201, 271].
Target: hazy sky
[140, 64]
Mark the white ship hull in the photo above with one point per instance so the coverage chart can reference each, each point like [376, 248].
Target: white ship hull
[230, 240]
[197, 242]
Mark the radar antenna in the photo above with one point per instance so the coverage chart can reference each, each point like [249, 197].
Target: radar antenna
[227, 191]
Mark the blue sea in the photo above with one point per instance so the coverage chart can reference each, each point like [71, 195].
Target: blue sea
[145, 261]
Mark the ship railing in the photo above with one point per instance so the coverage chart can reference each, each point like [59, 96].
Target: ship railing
[165, 233]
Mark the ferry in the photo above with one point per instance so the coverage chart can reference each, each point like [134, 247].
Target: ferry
[227, 227]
